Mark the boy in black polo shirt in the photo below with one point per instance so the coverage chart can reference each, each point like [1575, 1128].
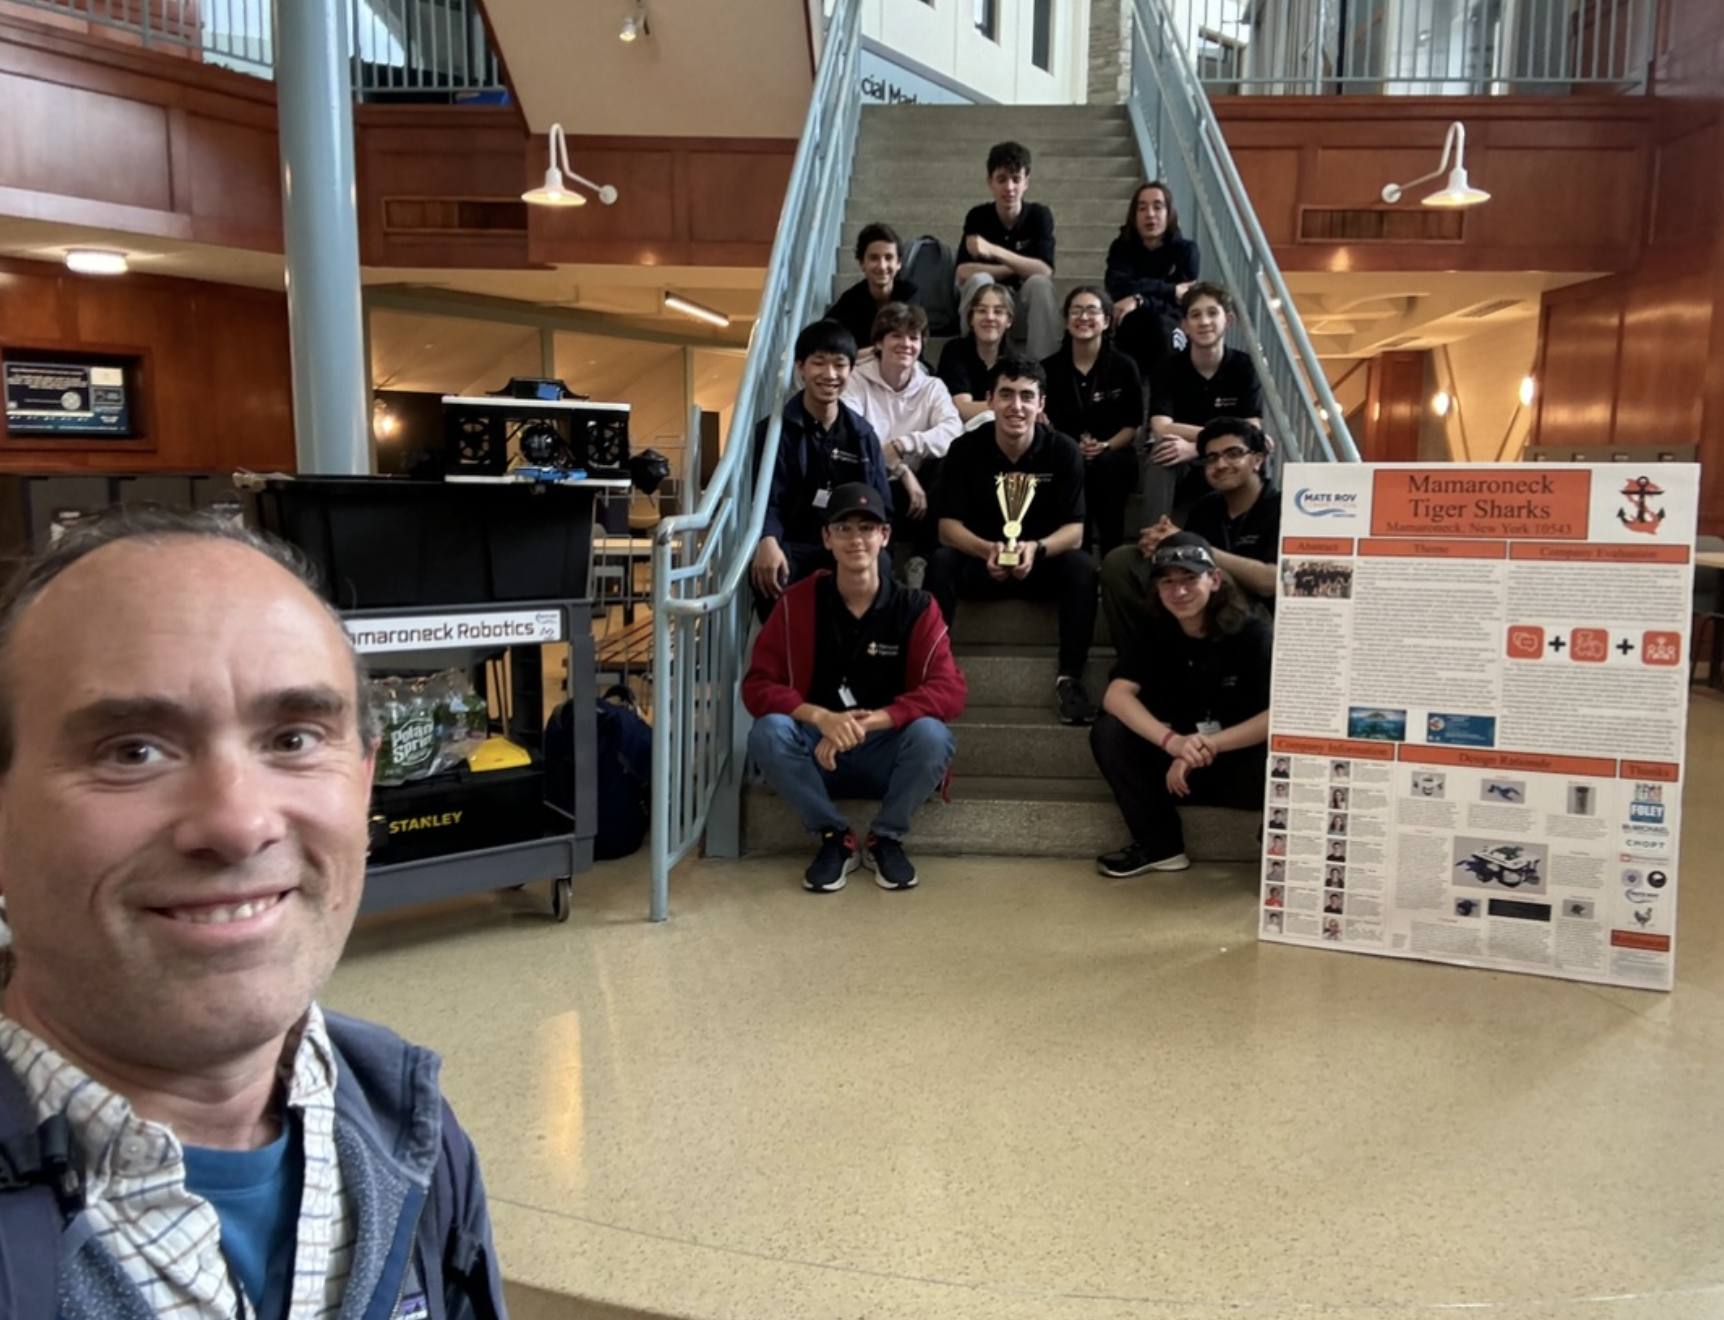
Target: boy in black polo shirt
[1186, 714]
[852, 684]
[1240, 518]
[880, 254]
[1189, 390]
[824, 444]
[1010, 241]
[974, 531]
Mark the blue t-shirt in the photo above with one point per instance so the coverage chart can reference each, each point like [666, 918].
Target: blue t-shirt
[256, 1196]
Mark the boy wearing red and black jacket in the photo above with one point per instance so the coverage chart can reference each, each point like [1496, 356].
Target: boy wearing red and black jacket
[852, 684]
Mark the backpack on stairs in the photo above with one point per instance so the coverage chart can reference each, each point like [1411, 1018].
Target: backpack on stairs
[932, 266]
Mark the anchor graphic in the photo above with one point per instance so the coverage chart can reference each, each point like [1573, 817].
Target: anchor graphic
[1637, 492]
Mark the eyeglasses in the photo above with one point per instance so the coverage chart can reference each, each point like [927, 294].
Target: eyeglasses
[1232, 454]
[1086, 312]
[858, 528]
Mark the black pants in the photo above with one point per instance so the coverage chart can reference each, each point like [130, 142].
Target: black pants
[916, 536]
[1136, 771]
[1143, 337]
[1109, 479]
[1069, 578]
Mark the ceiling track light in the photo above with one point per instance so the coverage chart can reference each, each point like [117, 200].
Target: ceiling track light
[1458, 192]
[553, 192]
[699, 311]
[96, 261]
[635, 24]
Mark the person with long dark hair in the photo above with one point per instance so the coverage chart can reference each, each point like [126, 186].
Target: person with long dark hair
[1186, 715]
[1149, 267]
[1095, 395]
[965, 362]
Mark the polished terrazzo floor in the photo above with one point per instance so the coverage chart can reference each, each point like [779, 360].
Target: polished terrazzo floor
[1022, 1091]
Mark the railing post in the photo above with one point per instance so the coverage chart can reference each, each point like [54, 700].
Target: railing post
[321, 234]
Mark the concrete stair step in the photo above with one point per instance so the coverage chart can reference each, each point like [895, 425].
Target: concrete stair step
[1024, 675]
[1027, 741]
[882, 172]
[971, 152]
[1009, 817]
[1072, 237]
[941, 211]
[1003, 121]
[1009, 623]
[1083, 268]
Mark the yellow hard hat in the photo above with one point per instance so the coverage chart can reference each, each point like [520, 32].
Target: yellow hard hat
[499, 754]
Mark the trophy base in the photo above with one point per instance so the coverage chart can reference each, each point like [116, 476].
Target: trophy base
[1010, 557]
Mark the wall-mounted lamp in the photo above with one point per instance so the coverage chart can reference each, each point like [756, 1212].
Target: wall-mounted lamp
[96, 261]
[553, 193]
[699, 311]
[635, 25]
[1528, 391]
[1458, 192]
[1441, 403]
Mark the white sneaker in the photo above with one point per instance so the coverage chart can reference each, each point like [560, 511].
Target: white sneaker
[915, 572]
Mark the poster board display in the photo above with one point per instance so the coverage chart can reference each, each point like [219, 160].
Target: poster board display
[1478, 715]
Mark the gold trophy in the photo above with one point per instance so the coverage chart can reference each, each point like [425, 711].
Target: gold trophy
[1014, 490]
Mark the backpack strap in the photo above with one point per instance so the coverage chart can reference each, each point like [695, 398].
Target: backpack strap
[461, 1247]
[41, 1189]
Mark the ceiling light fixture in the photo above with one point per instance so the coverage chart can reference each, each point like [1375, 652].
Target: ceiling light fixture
[699, 311]
[635, 24]
[553, 193]
[96, 261]
[1458, 192]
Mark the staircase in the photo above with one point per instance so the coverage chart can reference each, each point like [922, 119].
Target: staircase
[920, 167]
[1023, 784]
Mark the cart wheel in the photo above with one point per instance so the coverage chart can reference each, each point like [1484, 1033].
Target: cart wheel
[562, 896]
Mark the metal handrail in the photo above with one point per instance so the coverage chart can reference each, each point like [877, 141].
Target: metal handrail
[1182, 144]
[398, 47]
[1418, 47]
[700, 610]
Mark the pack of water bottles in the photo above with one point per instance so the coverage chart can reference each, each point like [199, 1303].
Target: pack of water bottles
[426, 724]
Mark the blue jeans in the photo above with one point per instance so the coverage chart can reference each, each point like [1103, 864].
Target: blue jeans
[901, 767]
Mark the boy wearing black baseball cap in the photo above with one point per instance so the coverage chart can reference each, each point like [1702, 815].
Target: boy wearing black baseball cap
[1186, 714]
[851, 685]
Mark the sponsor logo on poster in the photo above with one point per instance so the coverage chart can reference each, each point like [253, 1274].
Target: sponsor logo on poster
[1646, 813]
[1461, 730]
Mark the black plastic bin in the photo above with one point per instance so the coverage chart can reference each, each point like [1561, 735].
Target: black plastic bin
[456, 811]
[385, 542]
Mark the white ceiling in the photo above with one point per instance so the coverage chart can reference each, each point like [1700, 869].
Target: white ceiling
[734, 68]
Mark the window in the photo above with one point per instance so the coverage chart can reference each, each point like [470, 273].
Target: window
[988, 18]
[1041, 34]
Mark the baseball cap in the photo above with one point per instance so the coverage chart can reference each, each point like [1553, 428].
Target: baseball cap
[1185, 550]
[854, 497]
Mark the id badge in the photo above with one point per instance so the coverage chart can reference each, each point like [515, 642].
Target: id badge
[822, 498]
[847, 696]
[1208, 728]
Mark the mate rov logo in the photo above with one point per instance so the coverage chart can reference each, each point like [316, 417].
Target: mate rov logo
[1326, 504]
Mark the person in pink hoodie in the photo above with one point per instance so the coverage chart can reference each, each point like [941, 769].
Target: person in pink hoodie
[914, 416]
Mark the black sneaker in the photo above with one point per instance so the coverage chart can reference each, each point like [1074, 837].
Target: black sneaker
[892, 867]
[835, 860]
[1075, 705]
[1135, 859]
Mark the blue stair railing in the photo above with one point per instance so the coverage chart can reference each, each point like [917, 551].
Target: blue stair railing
[700, 560]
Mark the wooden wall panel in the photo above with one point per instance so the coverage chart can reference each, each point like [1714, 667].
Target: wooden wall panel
[216, 392]
[82, 143]
[233, 174]
[1568, 176]
[1579, 342]
[683, 202]
[1665, 342]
